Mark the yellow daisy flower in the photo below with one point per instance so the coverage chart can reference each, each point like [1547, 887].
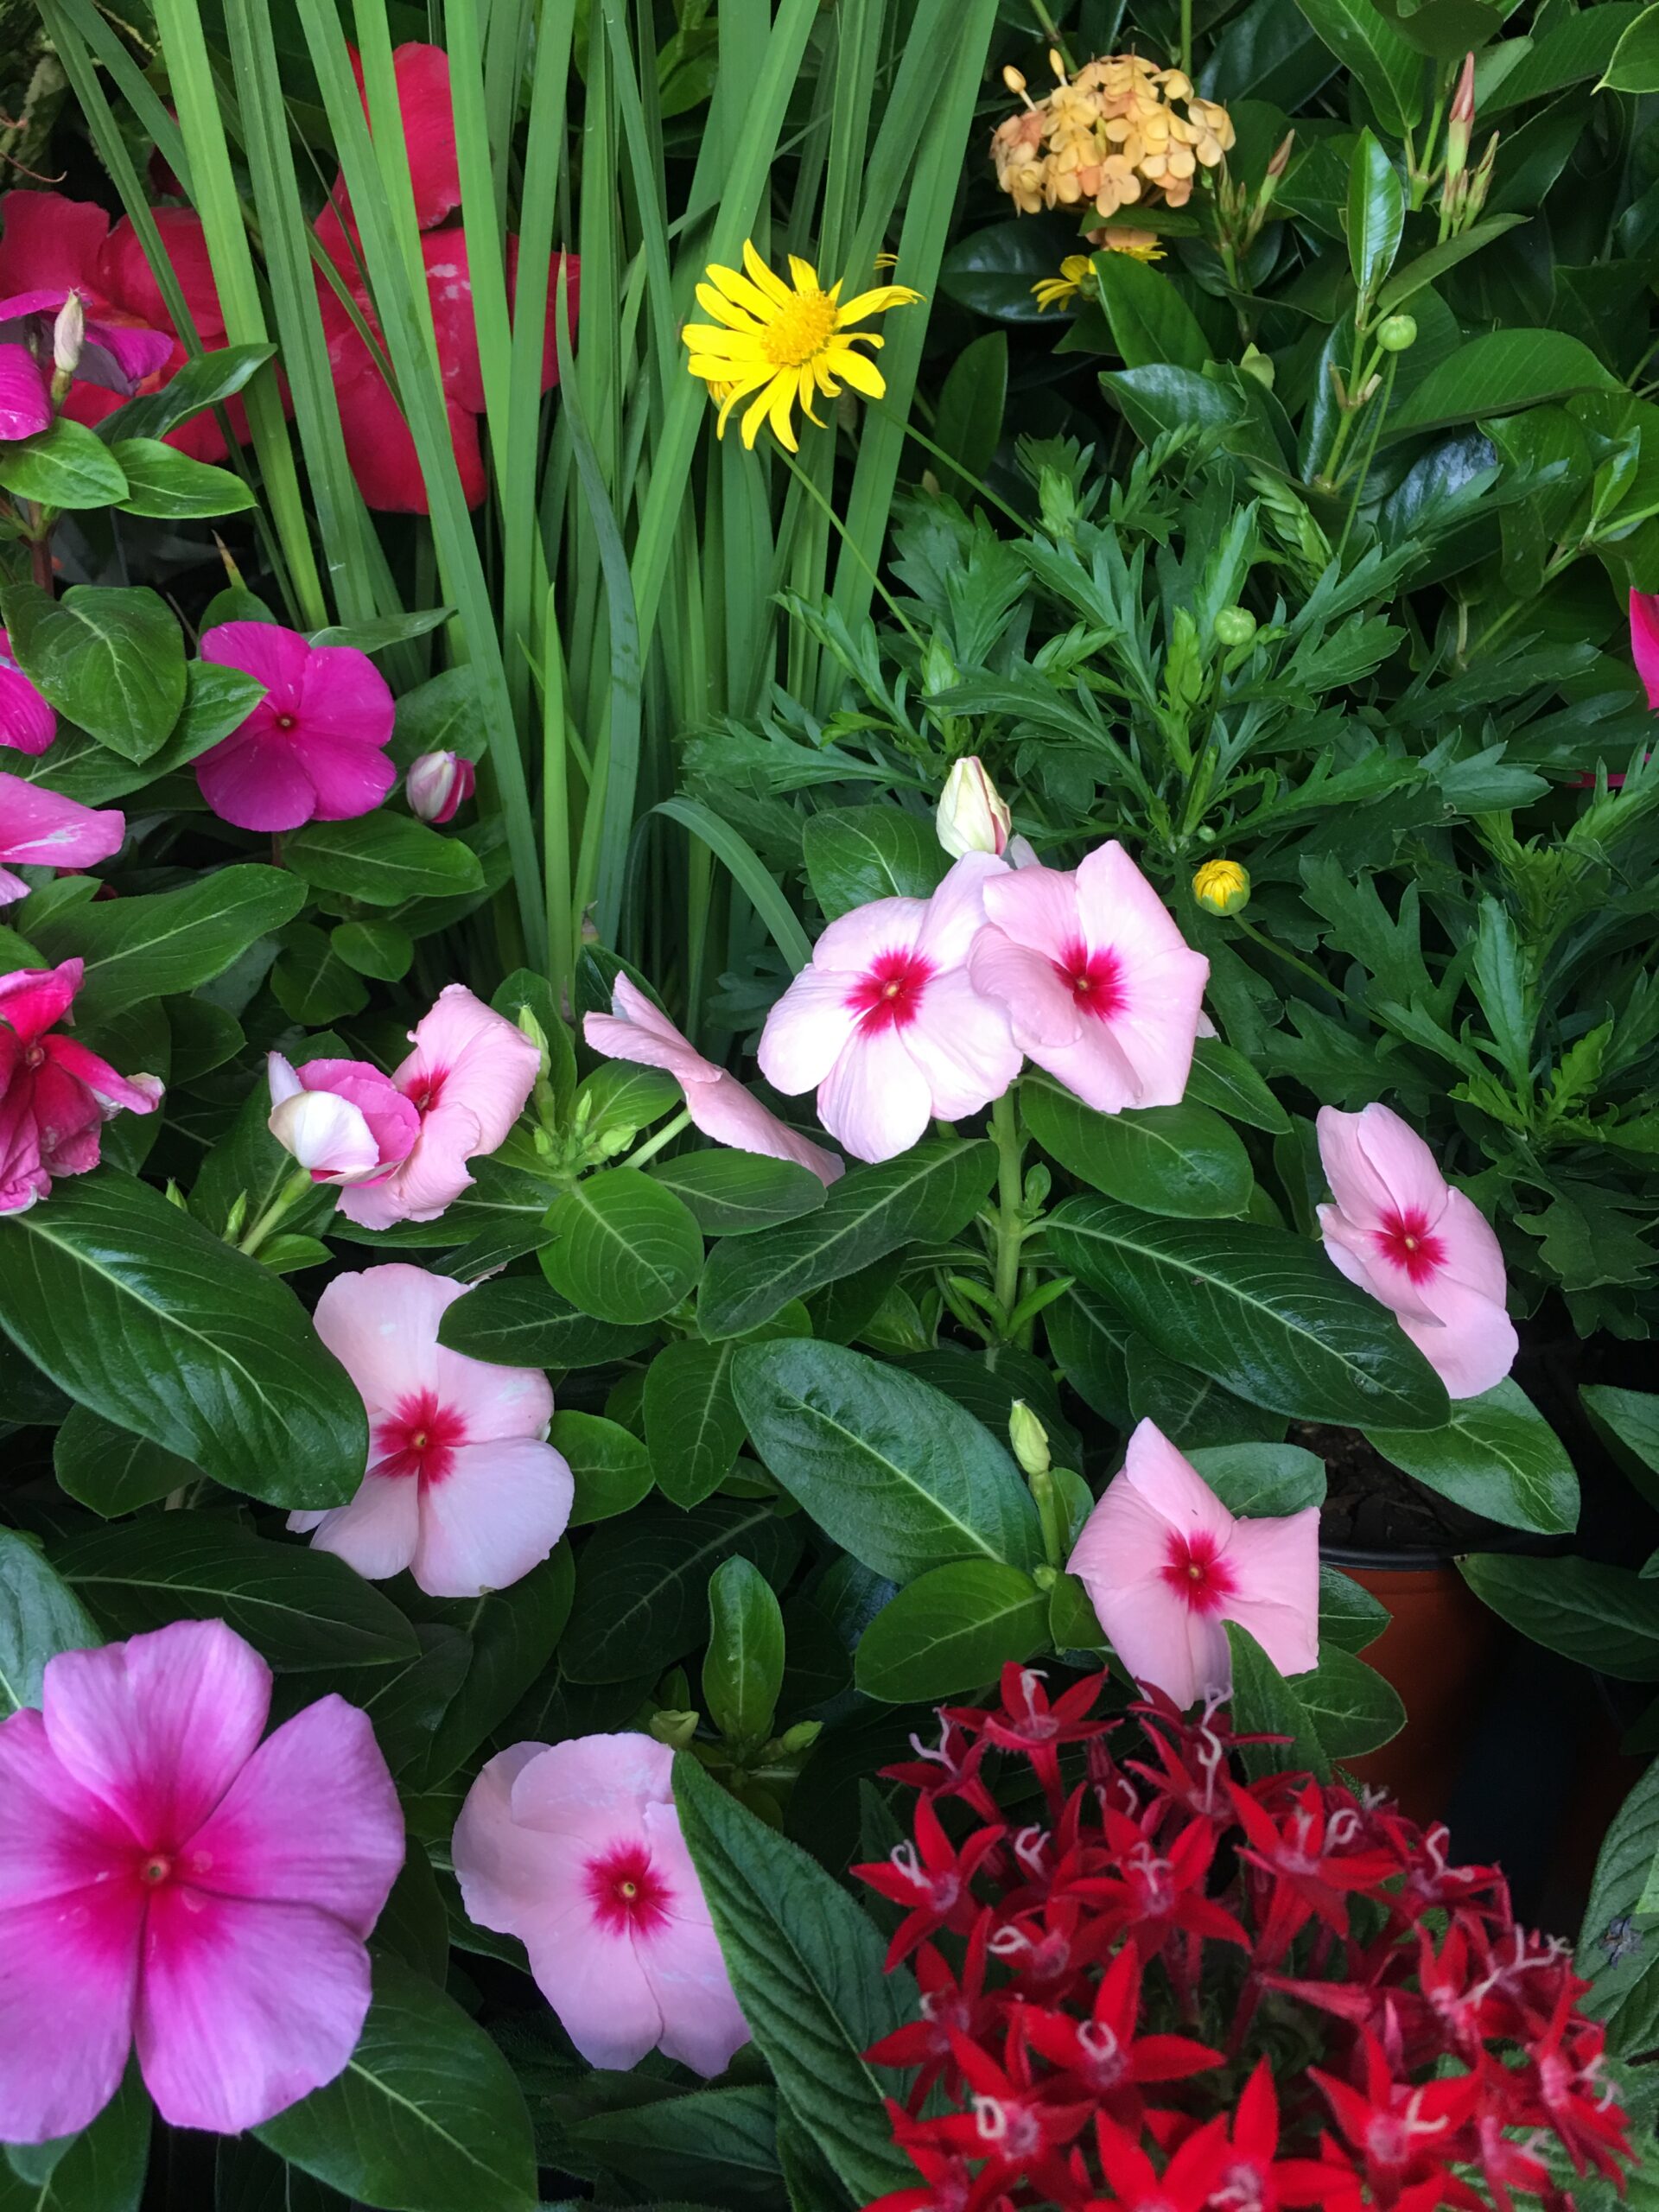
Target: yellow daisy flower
[775, 345]
[1060, 291]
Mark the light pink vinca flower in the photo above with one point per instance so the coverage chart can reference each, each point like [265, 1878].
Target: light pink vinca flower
[28, 723]
[313, 748]
[1400, 1232]
[55, 1095]
[886, 1023]
[42, 828]
[1100, 987]
[167, 1879]
[1166, 1566]
[462, 1487]
[468, 1077]
[576, 1850]
[343, 1119]
[718, 1103]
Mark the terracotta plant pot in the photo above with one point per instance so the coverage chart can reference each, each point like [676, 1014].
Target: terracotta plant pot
[1437, 1651]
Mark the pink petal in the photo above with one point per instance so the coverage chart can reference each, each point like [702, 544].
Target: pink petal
[506, 1871]
[349, 779]
[1036, 906]
[595, 1981]
[485, 1063]
[1474, 1258]
[496, 1514]
[138, 1094]
[1276, 1561]
[343, 696]
[876, 1101]
[382, 1327]
[25, 405]
[246, 2007]
[430, 1179]
[702, 2024]
[32, 999]
[276, 657]
[1119, 907]
[956, 913]
[591, 1785]
[636, 1031]
[961, 1042]
[39, 827]
[256, 785]
[1158, 1022]
[48, 242]
[68, 1979]
[449, 288]
[376, 1532]
[1354, 1252]
[730, 1114]
[854, 940]
[1120, 1558]
[326, 1133]
[1473, 1343]
[28, 723]
[1096, 1069]
[1645, 641]
[158, 1727]
[12, 887]
[1171, 1485]
[57, 1838]
[423, 101]
[1376, 1166]
[125, 276]
[313, 1819]
[807, 1030]
[1042, 1010]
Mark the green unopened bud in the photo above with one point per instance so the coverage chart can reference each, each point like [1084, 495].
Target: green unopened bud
[1255, 363]
[1044, 1575]
[801, 1737]
[1029, 1438]
[1235, 625]
[1396, 332]
[237, 1220]
[674, 1729]
[609, 1142]
[529, 1028]
[1223, 887]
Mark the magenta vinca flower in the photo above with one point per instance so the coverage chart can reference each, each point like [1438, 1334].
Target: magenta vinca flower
[167, 1879]
[42, 828]
[1100, 987]
[462, 1487]
[1166, 1566]
[576, 1850]
[468, 1077]
[718, 1103]
[343, 1119]
[1644, 642]
[313, 748]
[28, 723]
[117, 352]
[1400, 1232]
[55, 1095]
[886, 1023]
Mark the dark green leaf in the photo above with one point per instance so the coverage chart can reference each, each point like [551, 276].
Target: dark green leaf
[1634, 66]
[1190, 1410]
[1166, 1160]
[1224, 1080]
[1374, 52]
[621, 1247]
[199, 384]
[1261, 1481]
[379, 631]
[969, 424]
[1497, 1456]
[1377, 213]
[611, 1465]
[520, 1323]
[376, 949]
[692, 1424]
[642, 1582]
[383, 858]
[1352, 1709]
[1150, 321]
[100, 2169]
[855, 853]
[1602, 1617]
[40, 1615]
[512, 1633]
[731, 1194]
[67, 466]
[1497, 373]
[721, 2143]
[1348, 1616]
[110, 1470]
[164, 941]
[170, 484]
[1264, 1703]
[743, 1667]
[1618, 1949]
[110, 660]
[951, 1632]
[1628, 1422]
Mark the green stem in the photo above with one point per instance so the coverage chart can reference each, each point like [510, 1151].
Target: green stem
[297, 1186]
[1379, 416]
[1010, 1233]
[856, 550]
[1291, 959]
[665, 1135]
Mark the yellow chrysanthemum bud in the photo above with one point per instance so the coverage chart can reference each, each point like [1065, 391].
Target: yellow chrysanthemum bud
[1223, 887]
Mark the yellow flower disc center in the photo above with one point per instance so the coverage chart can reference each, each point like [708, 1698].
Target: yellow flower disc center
[799, 331]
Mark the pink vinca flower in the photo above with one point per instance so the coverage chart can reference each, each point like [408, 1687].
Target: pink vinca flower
[55, 1095]
[343, 1119]
[28, 723]
[717, 1102]
[39, 829]
[462, 1487]
[467, 1077]
[886, 1023]
[167, 1879]
[576, 1850]
[1166, 1566]
[313, 748]
[1645, 641]
[1100, 987]
[1400, 1231]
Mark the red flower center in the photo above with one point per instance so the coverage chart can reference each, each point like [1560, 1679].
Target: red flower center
[1094, 977]
[1406, 1240]
[428, 1089]
[629, 1897]
[1194, 1568]
[34, 1055]
[155, 1870]
[888, 995]
[418, 1437]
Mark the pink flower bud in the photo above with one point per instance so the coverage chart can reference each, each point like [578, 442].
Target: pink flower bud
[972, 817]
[343, 1119]
[436, 784]
[1460, 123]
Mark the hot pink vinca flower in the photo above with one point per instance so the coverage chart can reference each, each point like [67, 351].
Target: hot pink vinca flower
[167, 1879]
[718, 1103]
[1100, 987]
[1400, 1232]
[1166, 1566]
[886, 1023]
[461, 1487]
[576, 1850]
[42, 828]
[467, 1077]
[313, 748]
[55, 1095]
[28, 723]
[1645, 641]
[343, 1119]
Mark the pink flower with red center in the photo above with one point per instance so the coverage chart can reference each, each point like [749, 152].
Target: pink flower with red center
[1166, 1566]
[55, 1095]
[576, 1850]
[313, 748]
[168, 1880]
[886, 1023]
[343, 1119]
[1401, 1231]
[467, 1079]
[1100, 987]
[40, 828]
[461, 1486]
[28, 721]
[718, 1103]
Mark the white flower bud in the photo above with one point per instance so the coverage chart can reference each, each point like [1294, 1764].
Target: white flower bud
[972, 817]
[69, 335]
[436, 784]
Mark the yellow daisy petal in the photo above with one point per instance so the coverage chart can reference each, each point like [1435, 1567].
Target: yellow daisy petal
[715, 303]
[739, 290]
[877, 302]
[740, 390]
[765, 280]
[803, 274]
[782, 414]
[862, 375]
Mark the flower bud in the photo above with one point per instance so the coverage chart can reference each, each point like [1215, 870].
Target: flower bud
[436, 784]
[1460, 123]
[1223, 887]
[531, 1027]
[1396, 332]
[1235, 625]
[800, 1739]
[1029, 1438]
[69, 335]
[326, 1133]
[972, 817]
[1253, 362]
[674, 1729]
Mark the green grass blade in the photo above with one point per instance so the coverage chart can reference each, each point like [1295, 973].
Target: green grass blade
[749, 871]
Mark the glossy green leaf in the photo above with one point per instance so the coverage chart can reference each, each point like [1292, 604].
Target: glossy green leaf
[40, 1615]
[951, 1632]
[1150, 321]
[143, 1315]
[1224, 1080]
[611, 1467]
[1628, 1422]
[892, 1470]
[693, 1428]
[112, 1470]
[1263, 1703]
[111, 660]
[1193, 1410]
[521, 1323]
[856, 854]
[1349, 1615]
[621, 1247]
[201, 383]
[162, 941]
[992, 270]
[376, 949]
[1634, 66]
[1376, 215]
[734, 1193]
[383, 858]
[1497, 1456]
[969, 424]
[1261, 1481]
[1263, 1311]
[1370, 47]
[743, 1667]
[1429, 268]
[642, 1582]
[713, 2147]
[1602, 1617]
[619, 1099]
[172, 486]
[1497, 373]
[1618, 1953]
[1352, 1709]
[511, 1634]
[67, 466]
[1164, 1159]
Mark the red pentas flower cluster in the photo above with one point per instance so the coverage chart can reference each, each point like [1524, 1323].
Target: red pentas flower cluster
[1175, 1989]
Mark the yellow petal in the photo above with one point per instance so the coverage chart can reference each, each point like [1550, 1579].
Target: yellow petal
[862, 375]
[742, 294]
[756, 414]
[877, 302]
[783, 401]
[740, 390]
[724, 310]
[806, 394]
[773, 286]
[803, 274]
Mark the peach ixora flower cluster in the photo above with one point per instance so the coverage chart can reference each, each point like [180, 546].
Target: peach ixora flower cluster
[1120, 133]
